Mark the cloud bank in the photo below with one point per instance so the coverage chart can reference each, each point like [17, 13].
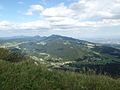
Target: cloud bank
[79, 17]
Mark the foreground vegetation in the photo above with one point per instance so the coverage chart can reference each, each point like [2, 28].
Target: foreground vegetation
[30, 75]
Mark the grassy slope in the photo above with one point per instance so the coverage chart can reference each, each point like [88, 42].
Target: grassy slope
[26, 75]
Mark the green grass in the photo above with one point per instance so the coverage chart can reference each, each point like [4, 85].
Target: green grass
[26, 75]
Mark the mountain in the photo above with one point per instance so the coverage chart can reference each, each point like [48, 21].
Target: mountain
[58, 47]
[66, 53]
[34, 63]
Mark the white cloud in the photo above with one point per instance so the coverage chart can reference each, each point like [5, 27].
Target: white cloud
[84, 16]
[5, 25]
[34, 8]
[96, 8]
[35, 25]
[109, 22]
[58, 11]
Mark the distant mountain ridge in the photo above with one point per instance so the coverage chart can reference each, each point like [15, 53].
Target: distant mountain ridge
[62, 47]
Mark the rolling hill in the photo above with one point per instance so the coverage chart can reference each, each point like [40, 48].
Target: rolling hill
[34, 63]
[66, 53]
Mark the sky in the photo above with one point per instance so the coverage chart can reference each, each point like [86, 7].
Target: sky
[74, 18]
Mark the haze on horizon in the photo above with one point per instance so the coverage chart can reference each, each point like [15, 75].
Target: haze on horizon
[74, 18]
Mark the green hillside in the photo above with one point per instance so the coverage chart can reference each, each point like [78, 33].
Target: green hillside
[27, 75]
[68, 48]
[13, 55]
[18, 72]
[64, 53]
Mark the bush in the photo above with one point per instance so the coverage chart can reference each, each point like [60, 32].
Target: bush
[11, 55]
[26, 75]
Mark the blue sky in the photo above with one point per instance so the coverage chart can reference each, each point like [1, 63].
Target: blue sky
[75, 18]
